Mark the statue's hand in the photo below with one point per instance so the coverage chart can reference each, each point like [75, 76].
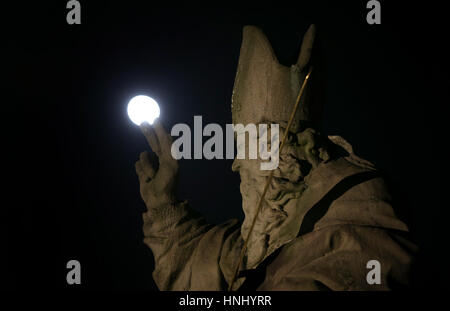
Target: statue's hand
[157, 187]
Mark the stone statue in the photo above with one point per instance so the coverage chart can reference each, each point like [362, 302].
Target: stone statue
[325, 217]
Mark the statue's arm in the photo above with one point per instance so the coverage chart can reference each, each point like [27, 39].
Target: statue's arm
[186, 248]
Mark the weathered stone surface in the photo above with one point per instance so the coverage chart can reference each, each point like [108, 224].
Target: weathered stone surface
[326, 214]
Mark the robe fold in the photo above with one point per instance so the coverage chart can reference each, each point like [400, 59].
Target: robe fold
[347, 221]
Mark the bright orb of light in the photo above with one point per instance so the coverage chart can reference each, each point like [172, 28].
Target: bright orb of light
[143, 108]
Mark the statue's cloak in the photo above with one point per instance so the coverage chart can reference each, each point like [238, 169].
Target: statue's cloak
[347, 221]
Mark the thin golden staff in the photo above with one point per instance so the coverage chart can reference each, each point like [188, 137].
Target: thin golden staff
[269, 179]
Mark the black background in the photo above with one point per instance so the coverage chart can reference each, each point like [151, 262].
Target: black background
[72, 192]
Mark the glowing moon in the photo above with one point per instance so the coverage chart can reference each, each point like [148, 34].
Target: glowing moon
[143, 108]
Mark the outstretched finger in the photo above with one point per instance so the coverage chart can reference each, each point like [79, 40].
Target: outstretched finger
[164, 138]
[151, 137]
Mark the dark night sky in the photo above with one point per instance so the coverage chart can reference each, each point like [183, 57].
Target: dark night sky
[75, 193]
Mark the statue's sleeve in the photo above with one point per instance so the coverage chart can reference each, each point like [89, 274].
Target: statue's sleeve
[186, 248]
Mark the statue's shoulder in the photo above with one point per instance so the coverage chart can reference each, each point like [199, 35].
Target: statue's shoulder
[349, 190]
[351, 157]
